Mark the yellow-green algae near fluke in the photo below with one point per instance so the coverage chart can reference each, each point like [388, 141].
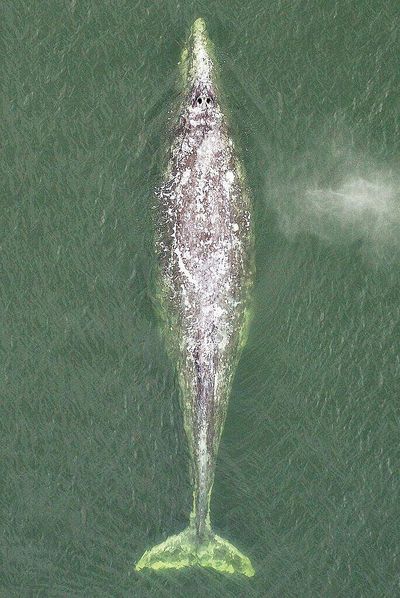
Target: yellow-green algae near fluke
[197, 545]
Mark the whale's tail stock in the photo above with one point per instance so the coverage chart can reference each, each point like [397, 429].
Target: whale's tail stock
[186, 550]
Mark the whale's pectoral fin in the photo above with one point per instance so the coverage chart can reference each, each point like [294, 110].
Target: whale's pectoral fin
[183, 550]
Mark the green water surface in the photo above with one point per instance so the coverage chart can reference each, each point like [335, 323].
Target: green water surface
[94, 465]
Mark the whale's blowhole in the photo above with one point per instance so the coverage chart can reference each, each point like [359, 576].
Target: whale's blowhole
[205, 101]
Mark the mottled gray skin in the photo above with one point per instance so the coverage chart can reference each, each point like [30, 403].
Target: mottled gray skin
[205, 252]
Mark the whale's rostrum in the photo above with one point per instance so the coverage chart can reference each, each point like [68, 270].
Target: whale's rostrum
[205, 250]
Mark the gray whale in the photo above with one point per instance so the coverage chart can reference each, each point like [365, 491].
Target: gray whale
[205, 249]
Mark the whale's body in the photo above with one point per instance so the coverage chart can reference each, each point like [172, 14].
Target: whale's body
[205, 255]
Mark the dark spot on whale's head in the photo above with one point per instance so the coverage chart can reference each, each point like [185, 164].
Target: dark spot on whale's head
[203, 107]
[203, 99]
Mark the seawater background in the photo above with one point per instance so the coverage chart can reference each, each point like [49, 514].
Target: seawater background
[93, 456]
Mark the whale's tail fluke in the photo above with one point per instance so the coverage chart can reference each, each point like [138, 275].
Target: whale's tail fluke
[185, 550]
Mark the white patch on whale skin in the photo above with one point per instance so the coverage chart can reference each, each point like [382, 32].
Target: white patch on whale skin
[183, 268]
[185, 176]
[230, 177]
[209, 147]
[227, 181]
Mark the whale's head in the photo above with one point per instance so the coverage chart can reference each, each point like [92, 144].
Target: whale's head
[198, 69]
